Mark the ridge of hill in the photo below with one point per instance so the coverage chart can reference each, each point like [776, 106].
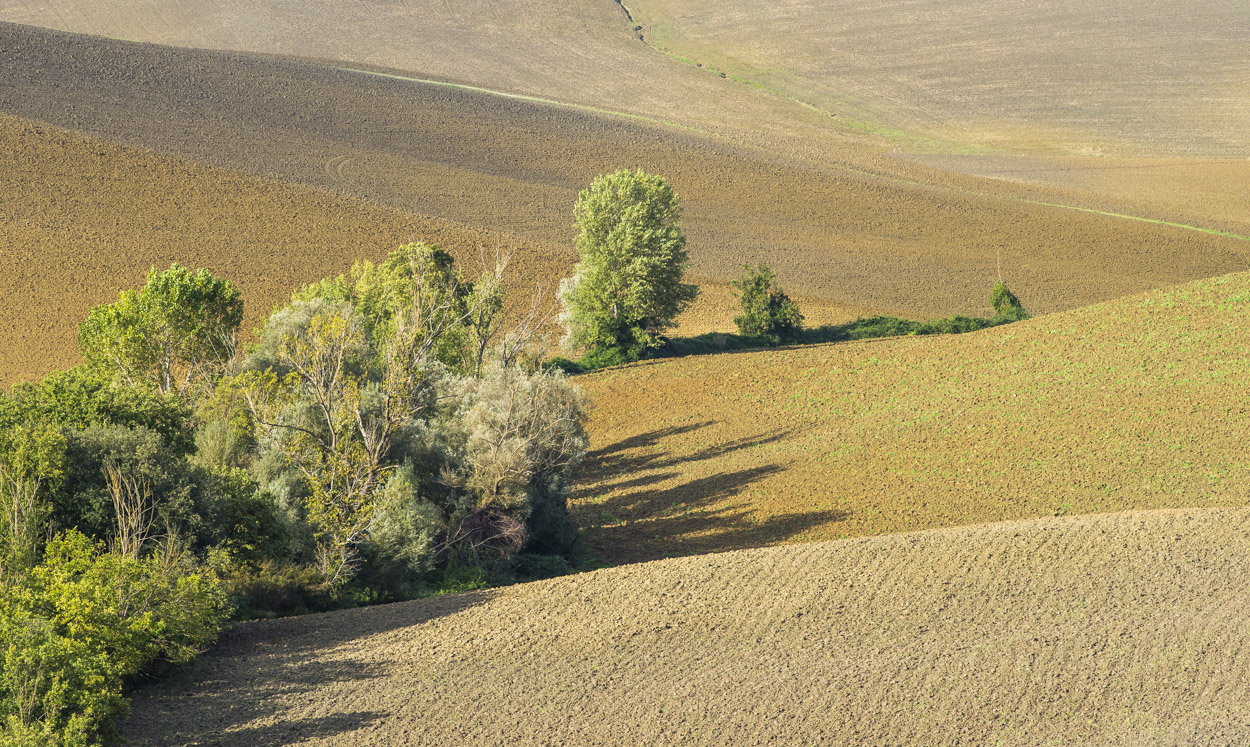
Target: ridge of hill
[1125, 629]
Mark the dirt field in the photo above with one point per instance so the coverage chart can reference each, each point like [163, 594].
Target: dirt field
[1064, 76]
[952, 77]
[1134, 404]
[83, 218]
[492, 164]
[1120, 629]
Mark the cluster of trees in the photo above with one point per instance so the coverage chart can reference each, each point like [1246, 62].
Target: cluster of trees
[388, 433]
[385, 433]
[627, 288]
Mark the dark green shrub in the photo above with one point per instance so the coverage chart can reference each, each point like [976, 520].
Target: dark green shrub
[1005, 303]
[274, 589]
[767, 311]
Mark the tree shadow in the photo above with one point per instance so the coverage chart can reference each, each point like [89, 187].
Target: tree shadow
[258, 667]
[641, 440]
[690, 518]
[622, 459]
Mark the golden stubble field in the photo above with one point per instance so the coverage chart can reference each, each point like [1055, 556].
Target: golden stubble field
[1123, 629]
[1138, 403]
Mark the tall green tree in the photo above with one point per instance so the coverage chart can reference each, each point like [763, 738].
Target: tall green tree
[626, 289]
[176, 333]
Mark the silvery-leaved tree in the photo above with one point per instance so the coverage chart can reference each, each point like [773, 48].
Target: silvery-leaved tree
[176, 334]
[341, 383]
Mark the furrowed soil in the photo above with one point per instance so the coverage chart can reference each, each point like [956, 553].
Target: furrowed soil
[492, 165]
[84, 218]
[1119, 629]
[848, 83]
[1139, 403]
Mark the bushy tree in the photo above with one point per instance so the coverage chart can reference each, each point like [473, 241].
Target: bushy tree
[81, 622]
[78, 397]
[173, 335]
[626, 289]
[766, 309]
[1005, 303]
[32, 457]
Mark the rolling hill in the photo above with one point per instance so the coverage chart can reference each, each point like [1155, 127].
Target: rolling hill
[1138, 403]
[1120, 629]
[506, 171]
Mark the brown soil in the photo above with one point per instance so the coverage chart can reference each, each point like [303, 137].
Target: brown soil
[82, 219]
[1120, 629]
[494, 163]
[1134, 404]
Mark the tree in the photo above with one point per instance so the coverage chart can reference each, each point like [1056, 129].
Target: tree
[766, 309]
[31, 456]
[1006, 304]
[626, 289]
[334, 396]
[177, 332]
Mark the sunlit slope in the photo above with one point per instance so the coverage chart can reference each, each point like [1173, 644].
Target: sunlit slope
[1138, 403]
[1121, 629]
[1060, 76]
[83, 218]
[515, 167]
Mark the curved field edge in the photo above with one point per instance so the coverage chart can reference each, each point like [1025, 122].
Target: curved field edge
[1124, 628]
[1137, 403]
[839, 167]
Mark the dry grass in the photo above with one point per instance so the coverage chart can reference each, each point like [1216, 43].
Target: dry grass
[1121, 629]
[1134, 404]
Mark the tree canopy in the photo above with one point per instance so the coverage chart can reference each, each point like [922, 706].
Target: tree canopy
[627, 287]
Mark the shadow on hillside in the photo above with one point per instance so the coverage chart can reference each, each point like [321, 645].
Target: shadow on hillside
[638, 520]
[260, 670]
[623, 459]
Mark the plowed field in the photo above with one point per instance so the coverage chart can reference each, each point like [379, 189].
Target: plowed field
[495, 164]
[1139, 403]
[82, 218]
[1121, 629]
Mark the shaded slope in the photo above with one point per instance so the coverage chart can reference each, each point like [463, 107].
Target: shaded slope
[1133, 404]
[515, 166]
[1121, 629]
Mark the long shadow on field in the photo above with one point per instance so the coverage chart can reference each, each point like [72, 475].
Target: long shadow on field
[690, 518]
[612, 468]
[248, 691]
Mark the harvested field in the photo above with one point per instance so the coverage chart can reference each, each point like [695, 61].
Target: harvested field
[1119, 629]
[1134, 404]
[1065, 76]
[840, 236]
